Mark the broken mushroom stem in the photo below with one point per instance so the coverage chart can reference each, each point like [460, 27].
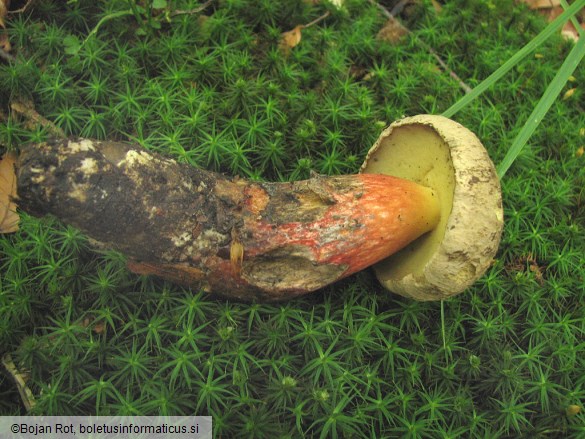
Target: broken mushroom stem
[247, 240]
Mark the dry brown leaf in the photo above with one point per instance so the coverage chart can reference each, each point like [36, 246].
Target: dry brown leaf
[542, 4]
[291, 38]
[99, 327]
[437, 6]
[4, 5]
[5, 43]
[8, 217]
[569, 31]
[551, 9]
[392, 31]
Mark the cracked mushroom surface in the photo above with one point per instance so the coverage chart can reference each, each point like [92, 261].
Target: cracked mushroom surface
[445, 156]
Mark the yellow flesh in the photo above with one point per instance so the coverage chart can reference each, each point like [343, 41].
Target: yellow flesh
[416, 153]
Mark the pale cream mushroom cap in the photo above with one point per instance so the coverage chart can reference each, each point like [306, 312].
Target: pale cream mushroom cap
[442, 154]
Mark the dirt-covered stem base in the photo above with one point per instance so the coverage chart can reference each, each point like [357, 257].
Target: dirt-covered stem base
[266, 241]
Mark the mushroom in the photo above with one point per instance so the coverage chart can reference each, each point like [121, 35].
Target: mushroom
[247, 240]
[273, 241]
[443, 155]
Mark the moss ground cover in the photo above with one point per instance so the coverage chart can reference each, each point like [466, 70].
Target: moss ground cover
[214, 88]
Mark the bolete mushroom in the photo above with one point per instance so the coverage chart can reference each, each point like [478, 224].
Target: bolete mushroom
[441, 154]
[243, 239]
[274, 241]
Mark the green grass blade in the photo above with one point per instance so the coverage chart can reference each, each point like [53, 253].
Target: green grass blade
[515, 59]
[549, 96]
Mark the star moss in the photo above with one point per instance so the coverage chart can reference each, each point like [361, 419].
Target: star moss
[215, 89]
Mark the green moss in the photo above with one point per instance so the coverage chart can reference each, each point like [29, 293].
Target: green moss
[214, 90]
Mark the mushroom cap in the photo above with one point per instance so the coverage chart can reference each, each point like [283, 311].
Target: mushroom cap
[442, 154]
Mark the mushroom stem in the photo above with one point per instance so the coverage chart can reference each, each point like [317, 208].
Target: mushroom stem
[248, 240]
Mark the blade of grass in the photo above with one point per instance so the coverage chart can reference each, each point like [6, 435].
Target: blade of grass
[443, 331]
[549, 96]
[515, 59]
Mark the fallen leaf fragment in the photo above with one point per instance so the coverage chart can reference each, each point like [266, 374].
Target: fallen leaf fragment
[580, 152]
[551, 9]
[570, 33]
[8, 217]
[4, 5]
[5, 43]
[542, 4]
[392, 31]
[99, 327]
[291, 38]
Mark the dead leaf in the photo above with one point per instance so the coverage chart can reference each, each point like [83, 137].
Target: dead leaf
[99, 327]
[5, 42]
[535, 268]
[528, 262]
[8, 217]
[437, 6]
[4, 5]
[291, 38]
[580, 152]
[569, 31]
[551, 9]
[542, 4]
[392, 31]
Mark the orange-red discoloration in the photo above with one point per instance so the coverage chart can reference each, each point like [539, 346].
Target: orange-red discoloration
[256, 199]
[360, 228]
